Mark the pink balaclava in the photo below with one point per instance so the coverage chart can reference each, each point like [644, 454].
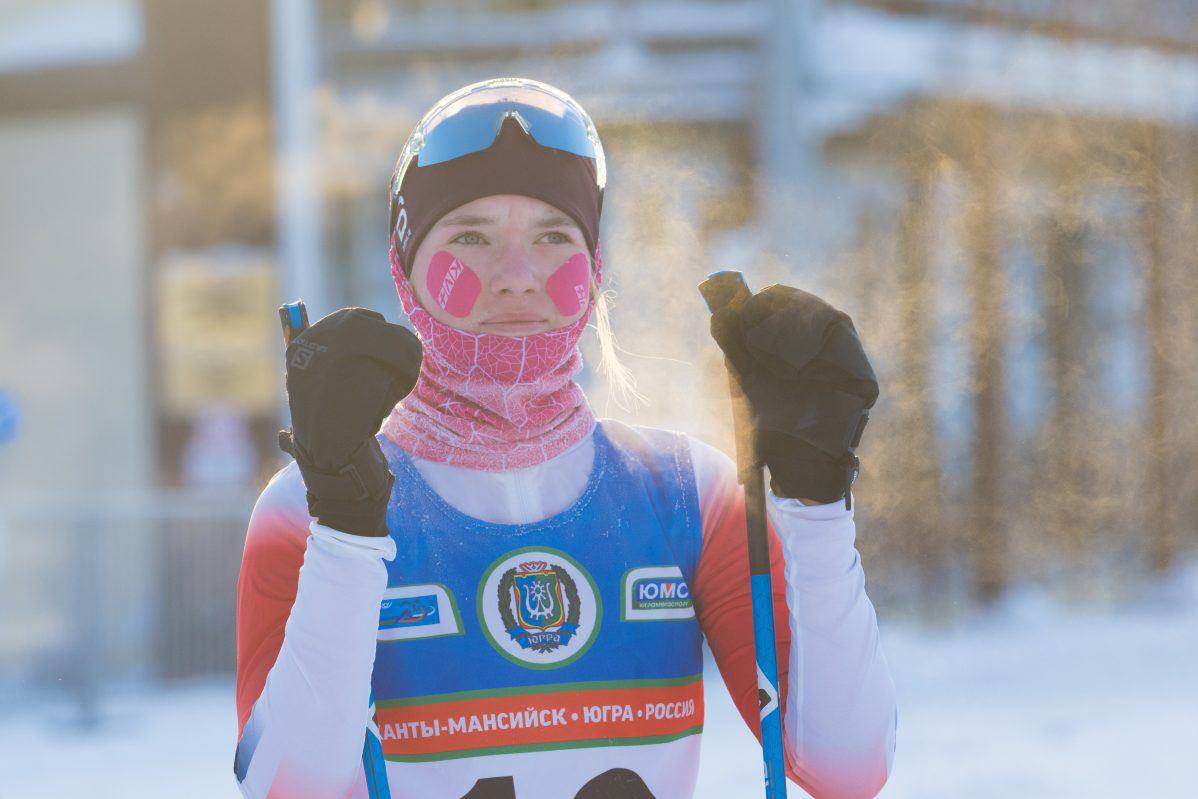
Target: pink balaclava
[491, 402]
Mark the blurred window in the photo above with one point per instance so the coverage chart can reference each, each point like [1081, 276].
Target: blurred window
[348, 9]
[1172, 21]
[35, 34]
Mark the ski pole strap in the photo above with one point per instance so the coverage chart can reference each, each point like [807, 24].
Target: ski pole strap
[852, 468]
[851, 463]
[364, 476]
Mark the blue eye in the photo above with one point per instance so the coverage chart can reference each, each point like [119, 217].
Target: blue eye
[562, 237]
[460, 236]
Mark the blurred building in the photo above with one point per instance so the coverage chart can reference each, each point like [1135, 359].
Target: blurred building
[138, 220]
[999, 192]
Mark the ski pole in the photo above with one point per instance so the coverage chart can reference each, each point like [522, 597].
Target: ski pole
[294, 318]
[720, 290]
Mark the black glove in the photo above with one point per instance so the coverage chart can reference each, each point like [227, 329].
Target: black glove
[344, 375]
[809, 384]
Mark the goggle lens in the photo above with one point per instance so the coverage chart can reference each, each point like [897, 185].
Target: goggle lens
[468, 121]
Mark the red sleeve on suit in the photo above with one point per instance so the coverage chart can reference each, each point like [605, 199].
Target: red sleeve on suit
[266, 586]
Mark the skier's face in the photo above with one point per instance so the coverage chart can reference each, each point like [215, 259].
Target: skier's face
[505, 264]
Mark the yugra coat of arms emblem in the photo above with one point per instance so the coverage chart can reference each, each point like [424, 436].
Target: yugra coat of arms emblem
[539, 605]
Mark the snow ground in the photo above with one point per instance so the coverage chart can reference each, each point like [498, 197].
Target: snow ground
[1033, 700]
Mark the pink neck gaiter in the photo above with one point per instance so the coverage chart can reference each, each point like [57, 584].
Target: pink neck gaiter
[490, 402]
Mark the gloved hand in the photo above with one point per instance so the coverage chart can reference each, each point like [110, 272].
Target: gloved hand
[344, 375]
[808, 383]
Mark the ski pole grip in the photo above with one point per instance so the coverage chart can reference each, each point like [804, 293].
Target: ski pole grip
[294, 318]
[720, 290]
[724, 288]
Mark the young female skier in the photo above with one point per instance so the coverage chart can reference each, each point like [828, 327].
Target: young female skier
[496, 595]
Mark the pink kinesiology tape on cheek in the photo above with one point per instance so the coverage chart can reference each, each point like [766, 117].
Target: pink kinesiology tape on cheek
[452, 285]
[568, 285]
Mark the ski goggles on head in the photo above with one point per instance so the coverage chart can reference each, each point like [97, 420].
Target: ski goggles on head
[468, 121]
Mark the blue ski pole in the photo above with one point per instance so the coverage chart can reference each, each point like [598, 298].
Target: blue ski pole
[294, 318]
[720, 290]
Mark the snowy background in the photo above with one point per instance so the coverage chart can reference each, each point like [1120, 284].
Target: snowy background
[1002, 194]
[1029, 700]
